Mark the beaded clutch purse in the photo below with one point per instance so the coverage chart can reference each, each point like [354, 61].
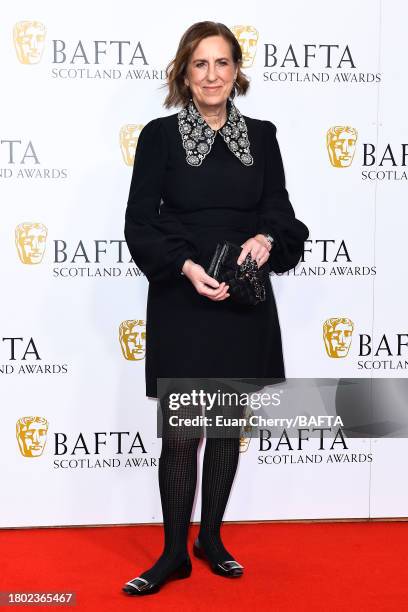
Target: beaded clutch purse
[246, 281]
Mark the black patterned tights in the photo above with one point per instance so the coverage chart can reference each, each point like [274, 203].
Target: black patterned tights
[177, 482]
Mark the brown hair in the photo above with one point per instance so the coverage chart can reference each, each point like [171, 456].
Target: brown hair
[179, 94]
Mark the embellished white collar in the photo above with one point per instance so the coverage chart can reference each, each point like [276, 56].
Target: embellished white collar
[198, 137]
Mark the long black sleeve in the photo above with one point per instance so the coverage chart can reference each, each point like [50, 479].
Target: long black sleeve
[158, 242]
[275, 212]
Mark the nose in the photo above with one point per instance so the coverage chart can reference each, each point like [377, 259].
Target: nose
[211, 72]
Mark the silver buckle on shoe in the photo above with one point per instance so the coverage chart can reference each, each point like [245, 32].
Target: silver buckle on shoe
[233, 565]
[143, 587]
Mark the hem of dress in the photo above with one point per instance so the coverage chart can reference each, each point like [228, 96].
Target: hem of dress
[266, 381]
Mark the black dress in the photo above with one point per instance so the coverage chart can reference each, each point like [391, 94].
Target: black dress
[177, 211]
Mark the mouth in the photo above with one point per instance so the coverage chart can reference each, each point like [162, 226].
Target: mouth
[213, 88]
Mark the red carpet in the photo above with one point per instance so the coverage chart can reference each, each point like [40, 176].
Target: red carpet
[288, 566]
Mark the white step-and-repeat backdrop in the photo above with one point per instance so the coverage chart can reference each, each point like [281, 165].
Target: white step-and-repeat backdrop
[79, 81]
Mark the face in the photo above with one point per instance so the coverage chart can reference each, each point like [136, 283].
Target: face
[31, 241]
[136, 340]
[339, 340]
[342, 147]
[211, 72]
[29, 39]
[247, 37]
[33, 439]
[129, 135]
[244, 444]
[132, 335]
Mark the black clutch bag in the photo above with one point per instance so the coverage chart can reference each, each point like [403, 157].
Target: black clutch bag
[246, 281]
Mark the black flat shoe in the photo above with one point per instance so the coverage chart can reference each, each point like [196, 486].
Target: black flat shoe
[141, 586]
[228, 569]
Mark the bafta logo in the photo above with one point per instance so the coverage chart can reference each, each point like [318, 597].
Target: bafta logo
[132, 338]
[31, 432]
[30, 242]
[244, 444]
[245, 437]
[341, 145]
[29, 37]
[247, 36]
[128, 137]
[337, 335]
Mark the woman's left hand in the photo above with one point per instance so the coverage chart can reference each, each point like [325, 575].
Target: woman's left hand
[259, 247]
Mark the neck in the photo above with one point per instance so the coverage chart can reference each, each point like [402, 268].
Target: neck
[215, 116]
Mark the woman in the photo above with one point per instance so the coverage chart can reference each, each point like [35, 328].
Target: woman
[201, 176]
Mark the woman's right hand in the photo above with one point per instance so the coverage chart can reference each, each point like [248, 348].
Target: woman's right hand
[204, 284]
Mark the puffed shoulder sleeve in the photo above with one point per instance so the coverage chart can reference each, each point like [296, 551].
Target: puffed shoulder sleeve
[275, 212]
[158, 243]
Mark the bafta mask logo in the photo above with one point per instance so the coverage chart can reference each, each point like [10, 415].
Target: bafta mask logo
[247, 36]
[31, 239]
[341, 145]
[337, 335]
[128, 137]
[29, 38]
[132, 338]
[244, 444]
[245, 437]
[31, 432]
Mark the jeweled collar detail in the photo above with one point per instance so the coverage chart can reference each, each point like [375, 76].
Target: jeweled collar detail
[198, 137]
